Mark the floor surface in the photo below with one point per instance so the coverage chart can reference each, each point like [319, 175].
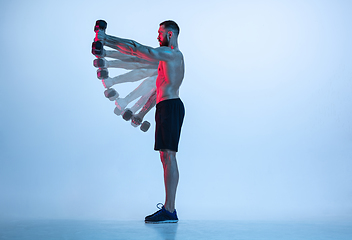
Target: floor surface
[234, 230]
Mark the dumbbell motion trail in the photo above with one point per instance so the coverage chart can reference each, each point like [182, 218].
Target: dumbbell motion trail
[136, 119]
[140, 69]
[141, 90]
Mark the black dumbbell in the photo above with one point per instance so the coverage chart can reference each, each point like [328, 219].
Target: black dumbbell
[98, 49]
[97, 46]
[99, 63]
[136, 121]
[111, 94]
[100, 25]
[145, 126]
[102, 73]
[127, 115]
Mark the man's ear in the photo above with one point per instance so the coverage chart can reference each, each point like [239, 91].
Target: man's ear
[170, 33]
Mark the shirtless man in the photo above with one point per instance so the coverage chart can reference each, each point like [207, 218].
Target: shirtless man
[169, 109]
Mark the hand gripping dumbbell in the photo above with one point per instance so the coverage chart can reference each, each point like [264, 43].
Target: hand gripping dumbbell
[98, 49]
[100, 63]
[111, 94]
[136, 120]
[97, 46]
[102, 73]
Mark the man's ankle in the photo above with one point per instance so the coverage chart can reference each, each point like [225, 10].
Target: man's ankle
[171, 210]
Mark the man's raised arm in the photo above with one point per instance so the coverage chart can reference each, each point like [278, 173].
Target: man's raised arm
[134, 48]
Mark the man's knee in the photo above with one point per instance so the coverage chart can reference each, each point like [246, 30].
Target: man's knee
[167, 155]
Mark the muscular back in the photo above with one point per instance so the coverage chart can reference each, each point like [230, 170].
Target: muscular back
[170, 77]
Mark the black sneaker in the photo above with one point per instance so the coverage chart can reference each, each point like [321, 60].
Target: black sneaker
[162, 216]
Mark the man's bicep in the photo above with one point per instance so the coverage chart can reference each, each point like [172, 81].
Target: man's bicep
[156, 54]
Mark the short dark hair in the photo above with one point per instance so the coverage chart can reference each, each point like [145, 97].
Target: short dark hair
[169, 24]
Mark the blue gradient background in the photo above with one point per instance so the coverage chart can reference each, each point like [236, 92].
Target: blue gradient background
[268, 96]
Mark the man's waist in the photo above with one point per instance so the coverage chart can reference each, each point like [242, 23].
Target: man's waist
[167, 97]
[170, 100]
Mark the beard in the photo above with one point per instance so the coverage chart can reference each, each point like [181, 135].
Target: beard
[164, 43]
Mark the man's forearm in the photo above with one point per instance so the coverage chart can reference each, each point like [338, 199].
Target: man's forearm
[131, 47]
[123, 45]
[118, 55]
[126, 58]
[130, 65]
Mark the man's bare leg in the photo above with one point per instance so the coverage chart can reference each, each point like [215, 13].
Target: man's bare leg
[171, 176]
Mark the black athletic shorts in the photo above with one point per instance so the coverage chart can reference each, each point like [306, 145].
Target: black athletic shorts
[169, 116]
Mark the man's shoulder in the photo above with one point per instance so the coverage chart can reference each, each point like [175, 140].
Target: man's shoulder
[173, 54]
[177, 53]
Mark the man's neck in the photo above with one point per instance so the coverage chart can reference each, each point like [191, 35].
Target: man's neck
[173, 44]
